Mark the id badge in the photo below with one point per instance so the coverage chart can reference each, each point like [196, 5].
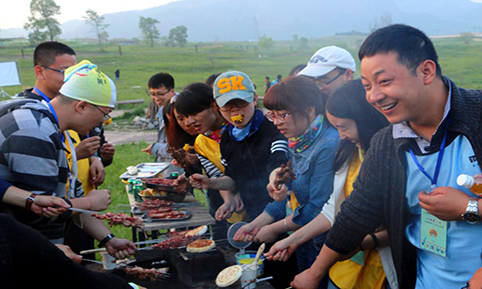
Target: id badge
[433, 234]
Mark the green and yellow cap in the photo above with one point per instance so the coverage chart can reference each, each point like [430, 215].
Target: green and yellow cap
[84, 82]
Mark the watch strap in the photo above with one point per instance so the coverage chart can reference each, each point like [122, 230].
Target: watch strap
[29, 202]
[471, 214]
[473, 206]
[106, 239]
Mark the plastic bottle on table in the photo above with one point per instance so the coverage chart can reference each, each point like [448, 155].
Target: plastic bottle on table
[137, 188]
[474, 183]
[130, 185]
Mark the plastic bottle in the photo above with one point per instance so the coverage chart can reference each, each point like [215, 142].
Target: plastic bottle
[471, 182]
[137, 188]
[130, 186]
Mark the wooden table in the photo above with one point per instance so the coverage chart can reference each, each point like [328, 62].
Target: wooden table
[200, 216]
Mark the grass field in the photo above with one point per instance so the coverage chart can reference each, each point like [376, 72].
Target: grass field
[137, 63]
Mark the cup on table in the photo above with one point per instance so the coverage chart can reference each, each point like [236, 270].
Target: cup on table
[248, 278]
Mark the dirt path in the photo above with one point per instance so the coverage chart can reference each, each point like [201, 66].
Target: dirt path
[123, 137]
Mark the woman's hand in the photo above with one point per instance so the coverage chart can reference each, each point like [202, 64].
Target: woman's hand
[277, 194]
[282, 250]
[246, 233]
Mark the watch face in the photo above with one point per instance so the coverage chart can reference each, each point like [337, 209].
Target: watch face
[472, 218]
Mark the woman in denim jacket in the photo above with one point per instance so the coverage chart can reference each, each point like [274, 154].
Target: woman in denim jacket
[297, 108]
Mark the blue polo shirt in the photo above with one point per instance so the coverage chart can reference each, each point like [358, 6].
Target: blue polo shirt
[463, 239]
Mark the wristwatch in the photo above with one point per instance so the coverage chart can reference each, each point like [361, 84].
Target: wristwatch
[105, 240]
[471, 214]
[97, 157]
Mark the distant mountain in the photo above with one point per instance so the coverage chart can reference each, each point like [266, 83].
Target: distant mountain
[235, 20]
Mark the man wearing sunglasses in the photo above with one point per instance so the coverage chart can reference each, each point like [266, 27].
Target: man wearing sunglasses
[330, 67]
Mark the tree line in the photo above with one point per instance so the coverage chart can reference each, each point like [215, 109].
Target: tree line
[42, 26]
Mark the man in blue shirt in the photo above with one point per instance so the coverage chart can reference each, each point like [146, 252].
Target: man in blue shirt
[412, 165]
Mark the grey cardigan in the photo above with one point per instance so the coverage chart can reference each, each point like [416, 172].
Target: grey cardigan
[379, 192]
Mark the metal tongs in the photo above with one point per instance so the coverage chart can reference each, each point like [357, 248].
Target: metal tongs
[123, 265]
[84, 211]
[137, 243]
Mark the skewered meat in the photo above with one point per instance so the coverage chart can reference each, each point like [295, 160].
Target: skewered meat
[180, 156]
[167, 215]
[161, 181]
[120, 219]
[284, 175]
[181, 238]
[153, 204]
[174, 242]
[143, 273]
[160, 211]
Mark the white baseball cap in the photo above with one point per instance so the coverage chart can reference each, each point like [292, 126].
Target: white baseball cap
[326, 59]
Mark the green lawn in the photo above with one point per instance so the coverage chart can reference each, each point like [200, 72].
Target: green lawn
[137, 63]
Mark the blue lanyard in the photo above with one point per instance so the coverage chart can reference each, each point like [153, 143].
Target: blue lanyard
[41, 94]
[52, 110]
[433, 179]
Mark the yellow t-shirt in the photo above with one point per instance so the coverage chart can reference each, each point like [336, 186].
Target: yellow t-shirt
[83, 165]
[211, 150]
[350, 274]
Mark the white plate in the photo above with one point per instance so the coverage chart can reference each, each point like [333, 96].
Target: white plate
[146, 170]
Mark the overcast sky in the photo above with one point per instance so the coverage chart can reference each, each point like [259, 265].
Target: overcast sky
[14, 13]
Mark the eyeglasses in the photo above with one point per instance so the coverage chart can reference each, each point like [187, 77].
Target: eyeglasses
[280, 118]
[324, 82]
[238, 103]
[54, 69]
[106, 115]
[158, 94]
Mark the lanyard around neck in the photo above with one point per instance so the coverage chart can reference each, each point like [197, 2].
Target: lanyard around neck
[433, 179]
[41, 94]
[51, 108]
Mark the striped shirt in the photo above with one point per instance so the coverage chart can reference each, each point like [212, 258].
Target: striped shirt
[32, 157]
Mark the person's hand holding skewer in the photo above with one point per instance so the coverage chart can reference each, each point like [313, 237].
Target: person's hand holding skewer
[181, 183]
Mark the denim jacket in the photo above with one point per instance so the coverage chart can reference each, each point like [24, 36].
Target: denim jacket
[314, 173]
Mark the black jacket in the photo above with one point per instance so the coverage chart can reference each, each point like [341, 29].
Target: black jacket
[249, 162]
[29, 260]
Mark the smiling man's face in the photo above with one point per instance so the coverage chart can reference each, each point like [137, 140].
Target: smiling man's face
[393, 89]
